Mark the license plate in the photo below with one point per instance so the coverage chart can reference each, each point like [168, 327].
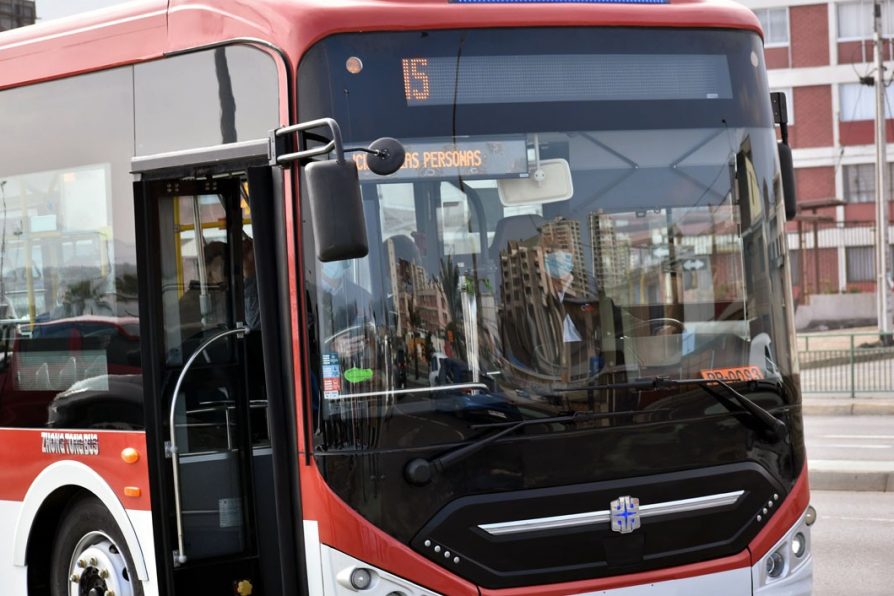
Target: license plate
[738, 373]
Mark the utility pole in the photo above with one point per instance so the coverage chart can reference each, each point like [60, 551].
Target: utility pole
[881, 186]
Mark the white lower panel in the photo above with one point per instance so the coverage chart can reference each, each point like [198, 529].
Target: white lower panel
[142, 525]
[337, 569]
[13, 579]
[313, 557]
[736, 582]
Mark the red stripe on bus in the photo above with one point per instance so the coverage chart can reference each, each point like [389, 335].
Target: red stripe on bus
[25, 453]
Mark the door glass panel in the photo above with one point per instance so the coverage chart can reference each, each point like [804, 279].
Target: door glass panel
[198, 289]
[195, 272]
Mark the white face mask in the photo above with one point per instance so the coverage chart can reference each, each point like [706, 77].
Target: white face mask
[332, 274]
[559, 263]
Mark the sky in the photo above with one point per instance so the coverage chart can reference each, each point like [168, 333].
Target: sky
[53, 9]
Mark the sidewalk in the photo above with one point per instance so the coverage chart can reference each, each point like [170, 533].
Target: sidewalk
[850, 444]
[852, 475]
[826, 405]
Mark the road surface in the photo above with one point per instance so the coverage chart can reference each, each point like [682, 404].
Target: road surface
[853, 543]
[865, 438]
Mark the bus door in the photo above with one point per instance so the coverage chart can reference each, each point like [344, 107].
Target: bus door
[215, 517]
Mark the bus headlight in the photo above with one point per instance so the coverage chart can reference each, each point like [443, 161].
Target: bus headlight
[799, 544]
[775, 565]
[361, 578]
[810, 516]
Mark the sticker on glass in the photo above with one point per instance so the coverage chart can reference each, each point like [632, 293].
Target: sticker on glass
[331, 376]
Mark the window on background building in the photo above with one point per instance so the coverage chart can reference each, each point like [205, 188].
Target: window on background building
[859, 182]
[857, 102]
[860, 263]
[855, 20]
[774, 22]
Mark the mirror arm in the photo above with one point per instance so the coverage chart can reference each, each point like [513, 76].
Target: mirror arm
[297, 155]
[279, 138]
[363, 149]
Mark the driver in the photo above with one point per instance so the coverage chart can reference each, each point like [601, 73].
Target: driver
[573, 316]
[559, 266]
[344, 308]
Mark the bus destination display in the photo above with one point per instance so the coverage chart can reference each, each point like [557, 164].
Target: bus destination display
[501, 157]
[437, 81]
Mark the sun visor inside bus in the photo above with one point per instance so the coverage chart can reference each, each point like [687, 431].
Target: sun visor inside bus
[550, 182]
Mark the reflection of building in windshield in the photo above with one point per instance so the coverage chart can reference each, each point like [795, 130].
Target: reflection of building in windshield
[431, 304]
[419, 298]
[611, 255]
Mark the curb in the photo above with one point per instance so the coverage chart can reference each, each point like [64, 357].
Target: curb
[851, 475]
[848, 407]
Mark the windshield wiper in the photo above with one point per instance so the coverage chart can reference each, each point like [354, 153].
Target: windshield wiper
[773, 424]
[419, 471]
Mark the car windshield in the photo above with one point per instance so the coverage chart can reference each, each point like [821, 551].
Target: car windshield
[532, 249]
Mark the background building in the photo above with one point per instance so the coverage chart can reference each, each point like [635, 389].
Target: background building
[817, 53]
[16, 13]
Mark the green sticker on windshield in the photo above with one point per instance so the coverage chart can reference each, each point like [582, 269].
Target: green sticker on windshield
[358, 375]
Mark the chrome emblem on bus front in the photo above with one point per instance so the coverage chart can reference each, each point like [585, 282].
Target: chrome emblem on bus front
[625, 515]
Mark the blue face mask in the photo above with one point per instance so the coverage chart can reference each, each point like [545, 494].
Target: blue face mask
[335, 268]
[331, 274]
[559, 263]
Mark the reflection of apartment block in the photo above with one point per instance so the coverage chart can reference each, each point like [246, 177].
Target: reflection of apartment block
[611, 254]
[418, 300]
[524, 288]
[524, 280]
[564, 234]
[431, 305]
[16, 13]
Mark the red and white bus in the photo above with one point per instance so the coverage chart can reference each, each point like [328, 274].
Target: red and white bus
[541, 343]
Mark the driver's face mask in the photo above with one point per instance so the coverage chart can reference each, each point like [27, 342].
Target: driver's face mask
[559, 263]
[332, 274]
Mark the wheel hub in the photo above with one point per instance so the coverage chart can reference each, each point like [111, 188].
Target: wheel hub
[98, 568]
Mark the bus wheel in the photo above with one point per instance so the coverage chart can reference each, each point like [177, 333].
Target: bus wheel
[90, 557]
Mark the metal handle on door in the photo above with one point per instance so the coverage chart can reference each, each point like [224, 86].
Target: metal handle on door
[171, 447]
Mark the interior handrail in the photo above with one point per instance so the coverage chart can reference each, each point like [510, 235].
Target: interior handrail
[171, 447]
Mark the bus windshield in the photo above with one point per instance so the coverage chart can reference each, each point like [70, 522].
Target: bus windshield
[596, 219]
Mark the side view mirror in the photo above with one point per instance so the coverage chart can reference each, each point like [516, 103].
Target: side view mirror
[333, 186]
[787, 171]
[336, 210]
[786, 164]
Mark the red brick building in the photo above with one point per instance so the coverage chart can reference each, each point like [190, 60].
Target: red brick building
[817, 53]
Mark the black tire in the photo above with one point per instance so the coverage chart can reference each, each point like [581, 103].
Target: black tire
[84, 521]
